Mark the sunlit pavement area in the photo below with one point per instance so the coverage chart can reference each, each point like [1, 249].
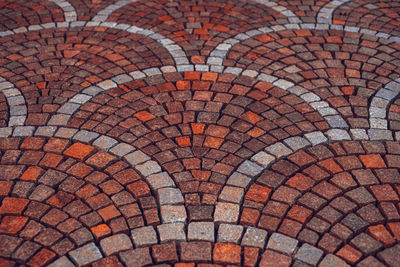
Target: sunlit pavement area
[199, 133]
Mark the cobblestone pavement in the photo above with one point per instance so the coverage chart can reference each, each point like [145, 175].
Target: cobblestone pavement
[199, 133]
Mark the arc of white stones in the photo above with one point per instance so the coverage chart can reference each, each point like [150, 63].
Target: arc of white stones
[325, 13]
[16, 103]
[379, 107]
[217, 56]
[281, 9]
[246, 173]
[169, 196]
[103, 15]
[176, 52]
[227, 233]
[69, 10]
[64, 113]
[173, 213]
[325, 17]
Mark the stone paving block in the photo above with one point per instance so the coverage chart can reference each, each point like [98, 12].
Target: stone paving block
[160, 180]
[263, 159]
[122, 149]
[62, 262]
[238, 179]
[296, 143]
[227, 123]
[271, 258]
[173, 214]
[65, 132]
[333, 261]
[279, 150]
[168, 196]
[195, 251]
[87, 254]
[144, 236]
[250, 168]
[231, 194]
[282, 243]
[390, 255]
[115, 243]
[366, 243]
[136, 158]
[148, 168]
[202, 231]
[309, 254]
[229, 233]
[226, 212]
[171, 231]
[254, 237]
[137, 257]
[316, 138]
[105, 142]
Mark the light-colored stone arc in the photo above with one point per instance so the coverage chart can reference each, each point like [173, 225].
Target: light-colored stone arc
[325, 17]
[173, 220]
[64, 113]
[380, 103]
[103, 14]
[176, 52]
[281, 9]
[218, 55]
[203, 231]
[251, 168]
[16, 103]
[69, 10]
[169, 196]
[173, 215]
[325, 13]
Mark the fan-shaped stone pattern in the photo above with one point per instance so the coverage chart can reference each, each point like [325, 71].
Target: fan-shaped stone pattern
[4, 115]
[87, 9]
[394, 115]
[381, 16]
[51, 66]
[343, 68]
[306, 10]
[342, 198]
[197, 26]
[20, 13]
[58, 196]
[201, 126]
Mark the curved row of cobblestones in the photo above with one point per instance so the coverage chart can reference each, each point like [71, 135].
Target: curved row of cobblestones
[145, 133]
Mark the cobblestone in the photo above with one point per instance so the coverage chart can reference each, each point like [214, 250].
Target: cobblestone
[195, 134]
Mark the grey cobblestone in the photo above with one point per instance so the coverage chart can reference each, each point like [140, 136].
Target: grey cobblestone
[144, 236]
[203, 231]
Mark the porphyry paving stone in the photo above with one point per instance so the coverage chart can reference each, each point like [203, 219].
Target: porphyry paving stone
[257, 133]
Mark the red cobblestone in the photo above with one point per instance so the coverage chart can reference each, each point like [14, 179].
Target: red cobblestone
[184, 87]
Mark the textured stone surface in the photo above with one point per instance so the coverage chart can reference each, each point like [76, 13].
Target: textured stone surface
[183, 133]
